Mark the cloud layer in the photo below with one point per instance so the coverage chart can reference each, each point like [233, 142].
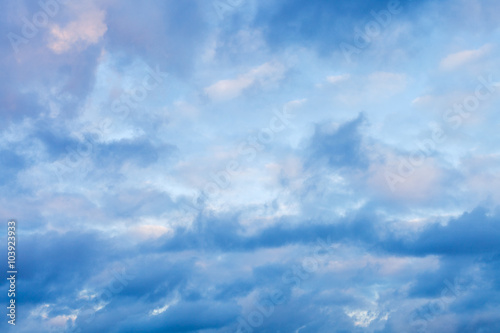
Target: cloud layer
[223, 166]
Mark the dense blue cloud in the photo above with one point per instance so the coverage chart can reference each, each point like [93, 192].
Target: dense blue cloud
[321, 24]
[473, 233]
[342, 148]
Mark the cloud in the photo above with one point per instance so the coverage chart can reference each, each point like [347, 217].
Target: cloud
[386, 83]
[340, 147]
[456, 60]
[337, 78]
[87, 29]
[10, 164]
[172, 34]
[470, 234]
[308, 213]
[263, 75]
[150, 231]
[391, 175]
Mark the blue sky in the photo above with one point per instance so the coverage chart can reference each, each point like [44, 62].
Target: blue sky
[252, 166]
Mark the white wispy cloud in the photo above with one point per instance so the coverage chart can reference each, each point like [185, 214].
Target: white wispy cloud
[230, 88]
[455, 60]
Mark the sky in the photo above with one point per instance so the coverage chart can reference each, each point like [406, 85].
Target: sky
[220, 166]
